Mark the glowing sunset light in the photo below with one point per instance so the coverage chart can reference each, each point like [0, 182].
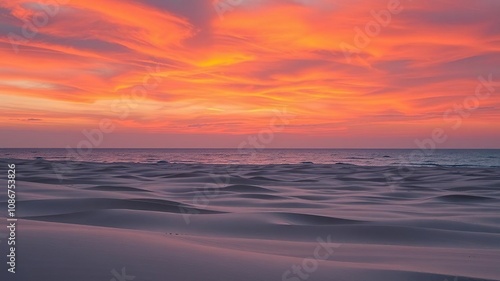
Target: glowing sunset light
[171, 73]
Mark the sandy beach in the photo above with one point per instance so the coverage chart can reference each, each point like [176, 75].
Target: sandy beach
[130, 221]
[245, 140]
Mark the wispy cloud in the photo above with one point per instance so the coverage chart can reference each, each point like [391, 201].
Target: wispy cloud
[262, 55]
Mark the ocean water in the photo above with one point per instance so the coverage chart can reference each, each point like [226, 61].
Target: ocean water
[361, 157]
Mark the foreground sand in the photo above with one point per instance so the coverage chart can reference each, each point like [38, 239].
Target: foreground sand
[236, 223]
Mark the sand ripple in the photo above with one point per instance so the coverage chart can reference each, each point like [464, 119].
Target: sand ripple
[227, 221]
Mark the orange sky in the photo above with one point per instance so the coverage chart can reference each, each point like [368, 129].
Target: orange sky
[203, 73]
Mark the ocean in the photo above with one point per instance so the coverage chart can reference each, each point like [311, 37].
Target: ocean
[360, 157]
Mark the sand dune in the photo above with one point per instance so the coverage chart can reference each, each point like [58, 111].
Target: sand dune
[227, 222]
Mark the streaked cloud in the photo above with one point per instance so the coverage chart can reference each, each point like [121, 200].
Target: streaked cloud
[226, 76]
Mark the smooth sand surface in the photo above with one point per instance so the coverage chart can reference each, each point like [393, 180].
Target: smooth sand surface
[237, 223]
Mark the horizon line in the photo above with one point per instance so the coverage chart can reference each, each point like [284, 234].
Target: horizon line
[266, 148]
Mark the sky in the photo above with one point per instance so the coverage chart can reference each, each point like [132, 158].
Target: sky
[263, 73]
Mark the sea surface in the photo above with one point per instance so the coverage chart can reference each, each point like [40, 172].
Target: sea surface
[360, 157]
